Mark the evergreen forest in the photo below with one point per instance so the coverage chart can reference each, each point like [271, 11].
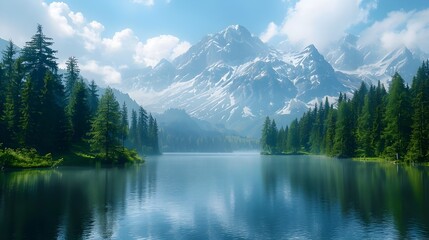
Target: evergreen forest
[392, 125]
[44, 113]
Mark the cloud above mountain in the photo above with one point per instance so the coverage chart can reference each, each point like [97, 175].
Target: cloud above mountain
[400, 28]
[101, 56]
[157, 48]
[320, 22]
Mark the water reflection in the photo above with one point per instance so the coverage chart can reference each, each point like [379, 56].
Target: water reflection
[68, 203]
[218, 196]
[377, 194]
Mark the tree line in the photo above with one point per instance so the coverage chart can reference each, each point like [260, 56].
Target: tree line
[372, 123]
[50, 112]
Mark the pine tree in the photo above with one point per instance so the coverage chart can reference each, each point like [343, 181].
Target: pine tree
[344, 142]
[38, 58]
[153, 135]
[155, 138]
[8, 80]
[379, 123]
[71, 75]
[364, 133]
[397, 118]
[329, 140]
[316, 134]
[93, 98]
[78, 111]
[29, 116]
[133, 135]
[293, 139]
[12, 107]
[4, 135]
[419, 142]
[142, 130]
[106, 127]
[53, 121]
[124, 124]
[281, 140]
[265, 136]
[305, 124]
[272, 136]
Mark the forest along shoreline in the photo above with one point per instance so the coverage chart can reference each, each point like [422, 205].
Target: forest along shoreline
[49, 119]
[373, 124]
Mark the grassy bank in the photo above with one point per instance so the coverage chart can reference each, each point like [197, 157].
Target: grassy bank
[77, 155]
[26, 158]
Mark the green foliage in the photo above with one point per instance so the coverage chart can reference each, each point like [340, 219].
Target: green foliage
[106, 127]
[293, 138]
[38, 58]
[37, 112]
[71, 76]
[344, 142]
[93, 98]
[78, 111]
[124, 124]
[25, 158]
[419, 143]
[397, 131]
[372, 124]
[143, 132]
[269, 137]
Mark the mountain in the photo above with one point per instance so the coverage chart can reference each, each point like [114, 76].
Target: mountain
[180, 132]
[347, 56]
[367, 64]
[4, 44]
[233, 78]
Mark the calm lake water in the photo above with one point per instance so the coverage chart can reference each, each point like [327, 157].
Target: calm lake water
[218, 196]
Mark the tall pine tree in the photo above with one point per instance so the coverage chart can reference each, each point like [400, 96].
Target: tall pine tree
[397, 119]
[71, 75]
[419, 143]
[78, 111]
[106, 128]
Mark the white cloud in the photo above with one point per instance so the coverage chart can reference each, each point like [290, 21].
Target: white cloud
[57, 10]
[77, 18]
[180, 49]
[410, 29]
[145, 2]
[271, 31]
[157, 48]
[323, 22]
[107, 73]
[91, 34]
[120, 40]
[104, 57]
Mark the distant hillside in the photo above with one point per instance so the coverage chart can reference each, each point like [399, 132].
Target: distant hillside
[181, 133]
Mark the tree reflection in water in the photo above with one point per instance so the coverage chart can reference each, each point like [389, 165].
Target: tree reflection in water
[375, 192]
[70, 203]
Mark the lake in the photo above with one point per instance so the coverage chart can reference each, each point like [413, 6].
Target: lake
[218, 196]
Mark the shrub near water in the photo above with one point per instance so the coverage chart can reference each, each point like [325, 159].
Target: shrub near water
[27, 158]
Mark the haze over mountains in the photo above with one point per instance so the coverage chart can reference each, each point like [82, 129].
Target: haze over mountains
[233, 78]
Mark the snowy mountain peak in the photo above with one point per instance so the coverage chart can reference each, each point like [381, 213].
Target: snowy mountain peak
[350, 39]
[163, 64]
[236, 31]
[399, 53]
[233, 78]
[233, 46]
[311, 49]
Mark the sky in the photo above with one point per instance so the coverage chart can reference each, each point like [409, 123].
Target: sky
[110, 37]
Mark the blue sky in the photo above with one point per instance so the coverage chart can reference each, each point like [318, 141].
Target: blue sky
[110, 37]
[191, 20]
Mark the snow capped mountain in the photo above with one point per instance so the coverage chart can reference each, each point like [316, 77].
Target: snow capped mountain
[233, 78]
[365, 63]
[347, 56]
